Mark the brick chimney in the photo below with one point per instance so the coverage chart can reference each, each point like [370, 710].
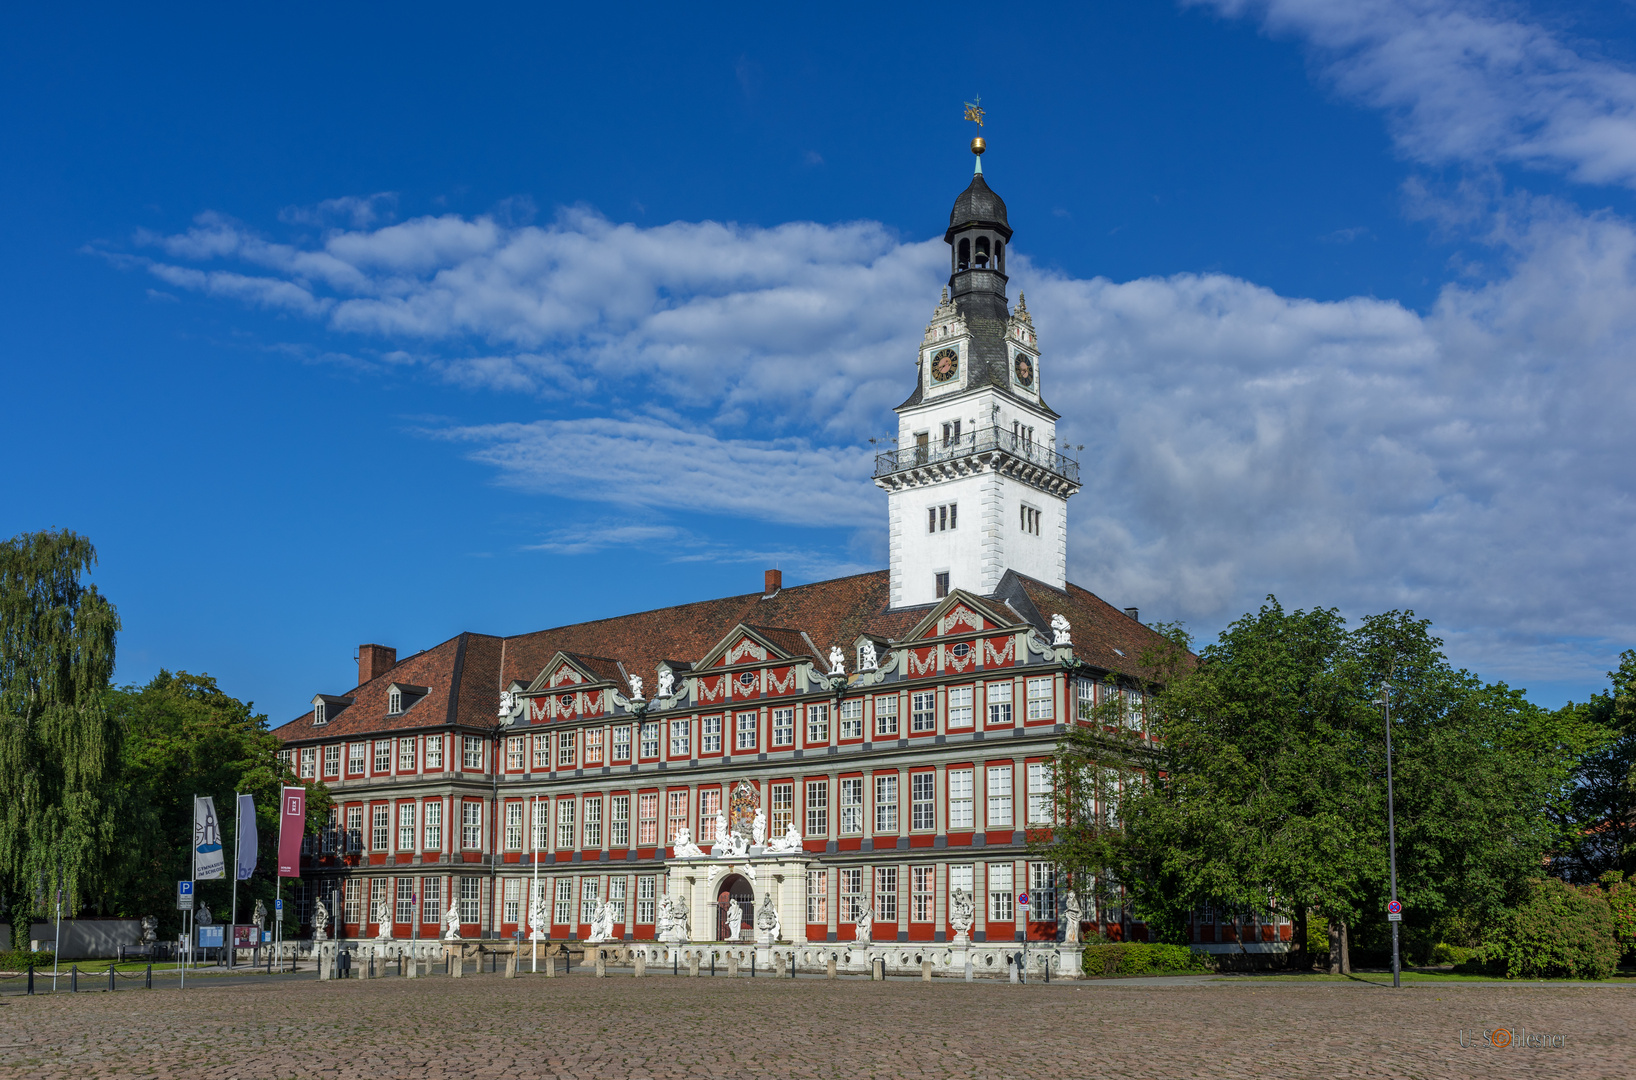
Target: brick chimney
[773, 582]
[375, 661]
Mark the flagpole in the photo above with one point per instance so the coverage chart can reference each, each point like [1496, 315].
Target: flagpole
[233, 923]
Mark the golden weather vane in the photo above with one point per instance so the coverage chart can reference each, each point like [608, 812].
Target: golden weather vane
[974, 111]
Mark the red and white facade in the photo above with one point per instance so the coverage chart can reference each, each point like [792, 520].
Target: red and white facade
[486, 767]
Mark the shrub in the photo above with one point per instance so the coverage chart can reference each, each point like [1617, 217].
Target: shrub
[1558, 931]
[18, 960]
[1444, 953]
[1136, 958]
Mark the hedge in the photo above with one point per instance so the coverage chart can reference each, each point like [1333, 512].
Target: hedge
[1137, 958]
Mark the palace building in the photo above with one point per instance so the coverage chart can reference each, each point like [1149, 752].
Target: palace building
[881, 741]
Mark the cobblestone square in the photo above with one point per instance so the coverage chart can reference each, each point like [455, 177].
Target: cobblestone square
[662, 1027]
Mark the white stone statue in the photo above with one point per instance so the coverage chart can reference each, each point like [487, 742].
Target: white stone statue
[787, 844]
[601, 923]
[867, 660]
[636, 688]
[685, 847]
[1061, 631]
[538, 926]
[451, 922]
[735, 919]
[202, 916]
[962, 913]
[258, 916]
[667, 682]
[837, 660]
[1072, 913]
[768, 927]
[677, 921]
[758, 829]
[666, 923]
[150, 925]
[383, 917]
[863, 928]
[508, 702]
[320, 921]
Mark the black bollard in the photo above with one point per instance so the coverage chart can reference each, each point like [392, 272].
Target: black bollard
[110, 978]
[752, 965]
[674, 961]
[31, 976]
[148, 983]
[73, 978]
[712, 965]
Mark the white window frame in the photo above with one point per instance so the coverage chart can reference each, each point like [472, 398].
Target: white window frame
[650, 740]
[681, 739]
[619, 821]
[514, 829]
[922, 893]
[998, 695]
[431, 900]
[434, 753]
[886, 804]
[593, 746]
[746, 725]
[541, 752]
[850, 718]
[1041, 787]
[646, 894]
[960, 707]
[922, 801]
[471, 826]
[962, 800]
[781, 798]
[710, 734]
[566, 756]
[923, 710]
[886, 714]
[784, 727]
[1001, 900]
[432, 826]
[357, 758]
[472, 752]
[566, 816]
[406, 829]
[886, 894]
[817, 725]
[647, 825]
[999, 797]
[622, 742]
[818, 897]
[562, 908]
[851, 806]
[709, 807]
[817, 808]
[1041, 693]
[380, 826]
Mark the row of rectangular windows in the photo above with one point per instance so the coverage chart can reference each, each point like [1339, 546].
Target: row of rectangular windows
[567, 750]
[579, 819]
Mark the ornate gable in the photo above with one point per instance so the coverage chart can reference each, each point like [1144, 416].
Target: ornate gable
[961, 613]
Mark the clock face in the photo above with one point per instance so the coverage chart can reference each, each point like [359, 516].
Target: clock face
[1025, 371]
[945, 365]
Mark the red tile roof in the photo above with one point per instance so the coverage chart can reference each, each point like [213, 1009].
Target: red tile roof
[467, 673]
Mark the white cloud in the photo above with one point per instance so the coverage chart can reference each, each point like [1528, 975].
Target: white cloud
[649, 462]
[1469, 82]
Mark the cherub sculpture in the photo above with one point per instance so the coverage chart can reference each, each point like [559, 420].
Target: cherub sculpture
[1061, 631]
[837, 660]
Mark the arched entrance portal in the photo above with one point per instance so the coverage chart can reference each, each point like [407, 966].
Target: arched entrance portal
[734, 887]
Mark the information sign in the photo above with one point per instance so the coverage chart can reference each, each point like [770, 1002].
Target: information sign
[184, 896]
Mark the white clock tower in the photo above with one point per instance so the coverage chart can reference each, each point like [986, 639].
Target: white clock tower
[976, 486]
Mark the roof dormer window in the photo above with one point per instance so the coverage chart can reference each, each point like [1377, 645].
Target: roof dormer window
[400, 697]
[318, 718]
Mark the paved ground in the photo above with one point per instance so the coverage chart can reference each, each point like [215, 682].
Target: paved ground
[662, 1028]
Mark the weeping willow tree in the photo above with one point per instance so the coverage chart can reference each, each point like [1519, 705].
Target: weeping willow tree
[58, 739]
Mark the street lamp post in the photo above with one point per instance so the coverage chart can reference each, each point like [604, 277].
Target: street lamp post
[1391, 830]
[534, 894]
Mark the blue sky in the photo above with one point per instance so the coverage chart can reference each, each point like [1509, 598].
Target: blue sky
[381, 324]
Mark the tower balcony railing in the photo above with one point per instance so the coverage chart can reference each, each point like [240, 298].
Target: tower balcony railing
[972, 443]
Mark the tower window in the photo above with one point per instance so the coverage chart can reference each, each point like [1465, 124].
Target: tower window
[942, 518]
[999, 255]
[981, 258]
[1022, 435]
[964, 260]
[1030, 520]
[951, 433]
[942, 585]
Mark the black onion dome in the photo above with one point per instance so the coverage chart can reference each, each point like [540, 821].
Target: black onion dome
[978, 205]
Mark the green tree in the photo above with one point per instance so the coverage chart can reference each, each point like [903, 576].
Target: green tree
[1600, 818]
[186, 737]
[59, 746]
[1271, 781]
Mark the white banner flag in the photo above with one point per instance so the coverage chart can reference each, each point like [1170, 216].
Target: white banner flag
[246, 839]
[207, 841]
